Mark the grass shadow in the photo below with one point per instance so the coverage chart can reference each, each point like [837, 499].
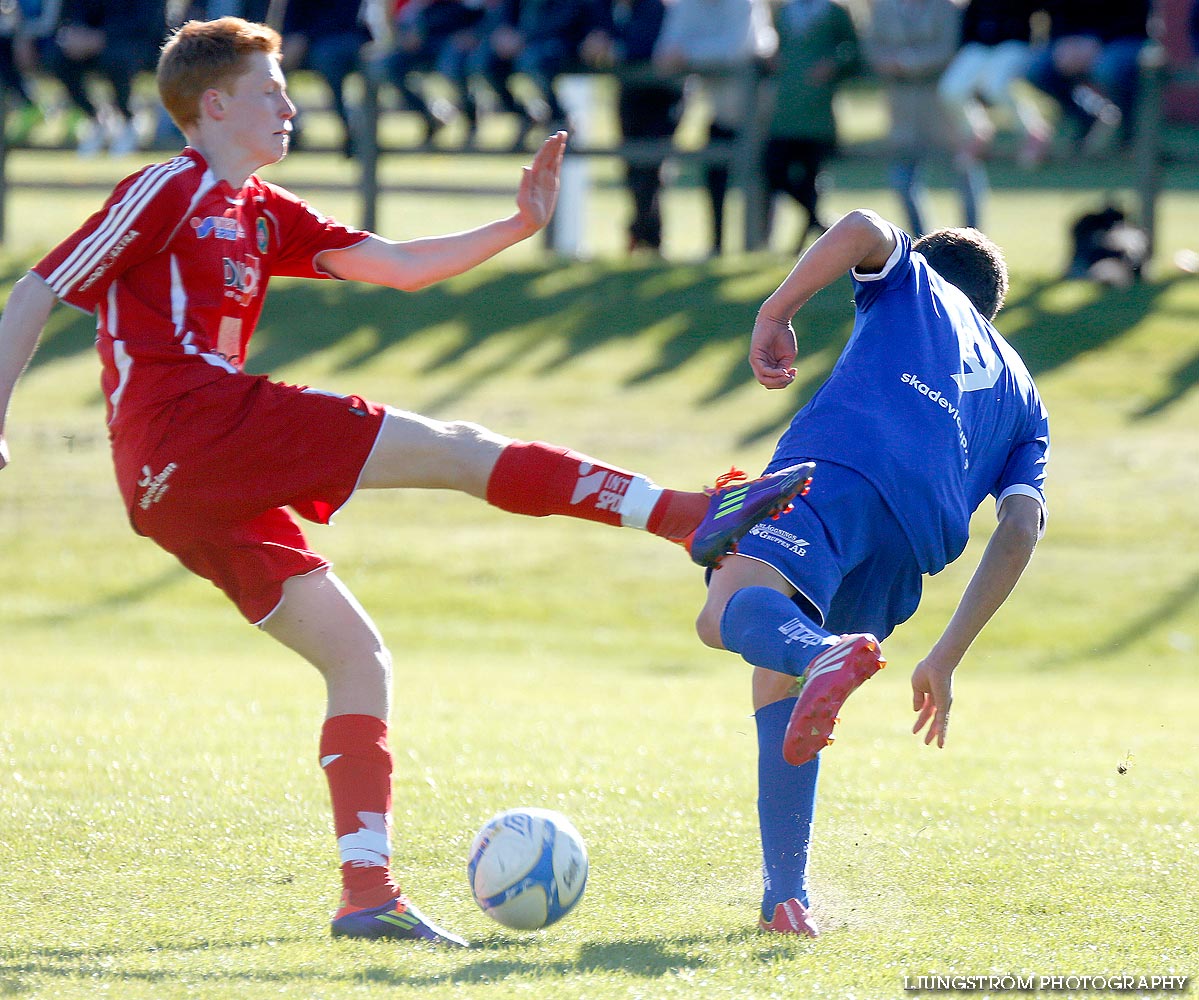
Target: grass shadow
[577, 308]
[1177, 604]
[490, 962]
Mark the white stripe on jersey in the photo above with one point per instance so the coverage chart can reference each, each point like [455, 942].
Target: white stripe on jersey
[120, 357]
[95, 248]
[178, 303]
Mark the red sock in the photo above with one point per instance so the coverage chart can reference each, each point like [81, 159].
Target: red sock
[357, 765]
[540, 479]
[676, 515]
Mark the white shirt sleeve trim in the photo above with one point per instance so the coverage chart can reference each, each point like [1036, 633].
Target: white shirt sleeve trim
[1025, 491]
[894, 259]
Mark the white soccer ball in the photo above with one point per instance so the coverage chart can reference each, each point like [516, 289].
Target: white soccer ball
[527, 868]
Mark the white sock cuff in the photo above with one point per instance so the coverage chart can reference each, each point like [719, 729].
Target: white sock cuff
[638, 503]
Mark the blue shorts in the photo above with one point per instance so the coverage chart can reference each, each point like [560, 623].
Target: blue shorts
[844, 552]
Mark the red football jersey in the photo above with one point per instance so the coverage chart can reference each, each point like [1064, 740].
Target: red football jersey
[175, 267]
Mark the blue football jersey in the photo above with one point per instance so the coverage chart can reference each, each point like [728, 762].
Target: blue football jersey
[930, 404]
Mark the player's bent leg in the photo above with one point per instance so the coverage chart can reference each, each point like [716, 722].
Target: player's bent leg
[735, 574]
[830, 678]
[320, 619]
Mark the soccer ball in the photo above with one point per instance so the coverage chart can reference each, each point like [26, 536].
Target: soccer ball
[527, 868]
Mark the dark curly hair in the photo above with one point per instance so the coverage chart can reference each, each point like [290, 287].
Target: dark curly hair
[970, 261]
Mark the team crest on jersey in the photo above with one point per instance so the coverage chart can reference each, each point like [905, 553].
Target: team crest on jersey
[216, 226]
[262, 235]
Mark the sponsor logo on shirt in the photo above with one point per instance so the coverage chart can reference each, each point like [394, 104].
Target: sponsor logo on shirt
[936, 396]
[217, 226]
[262, 235]
[109, 259]
[241, 278]
[154, 485]
[779, 536]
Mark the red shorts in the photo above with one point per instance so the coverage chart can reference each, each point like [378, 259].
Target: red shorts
[212, 484]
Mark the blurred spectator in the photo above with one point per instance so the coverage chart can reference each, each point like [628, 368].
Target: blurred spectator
[728, 36]
[326, 37]
[437, 36]
[114, 40]
[210, 10]
[539, 39]
[909, 44]
[1193, 27]
[984, 76]
[817, 50]
[24, 114]
[648, 110]
[1090, 66]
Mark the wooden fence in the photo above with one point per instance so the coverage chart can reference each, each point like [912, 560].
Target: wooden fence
[743, 153]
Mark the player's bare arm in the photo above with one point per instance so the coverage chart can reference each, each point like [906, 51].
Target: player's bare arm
[25, 315]
[410, 265]
[860, 240]
[1007, 554]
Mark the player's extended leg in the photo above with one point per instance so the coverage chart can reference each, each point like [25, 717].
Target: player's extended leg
[320, 619]
[537, 479]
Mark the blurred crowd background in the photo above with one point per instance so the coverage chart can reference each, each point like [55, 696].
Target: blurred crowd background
[963, 81]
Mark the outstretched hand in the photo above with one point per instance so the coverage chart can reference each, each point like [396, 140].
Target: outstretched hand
[772, 351]
[539, 182]
[932, 696]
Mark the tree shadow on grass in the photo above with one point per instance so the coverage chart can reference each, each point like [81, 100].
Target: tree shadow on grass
[575, 308]
[1048, 338]
[1178, 604]
[106, 604]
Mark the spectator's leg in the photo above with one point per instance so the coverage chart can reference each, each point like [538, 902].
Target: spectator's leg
[541, 62]
[905, 179]
[716, 180]
[497, 74]
[812, 155]
[793, 167]
[1116, 74]
[334, 59]
[71, 74]
[974, 186]
[120, 62]
[452, 62]
[958, 91]
[399, 66]
[1000, 87]
[1045, 76]
[647, 112]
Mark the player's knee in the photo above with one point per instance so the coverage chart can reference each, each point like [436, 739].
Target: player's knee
[707, 626]
[470, 439]
[383, 663]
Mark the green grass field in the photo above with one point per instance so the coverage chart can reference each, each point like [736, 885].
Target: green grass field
[164, 823]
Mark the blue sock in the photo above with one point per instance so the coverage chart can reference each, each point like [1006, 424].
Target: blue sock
[768, 630]
[786, 802]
